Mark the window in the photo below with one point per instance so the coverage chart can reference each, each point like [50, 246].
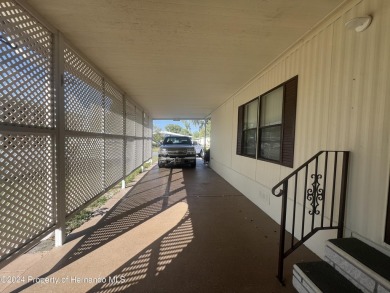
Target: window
[270, 128]
[275, 126]
[248, 129]
[177, 140]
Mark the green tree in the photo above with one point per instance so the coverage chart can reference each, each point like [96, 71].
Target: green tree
[157, 135]
[187, 125]
[173, 128]
[177, 129]
[198, 123]
[208, 129]
[196, 134]
[185, 132]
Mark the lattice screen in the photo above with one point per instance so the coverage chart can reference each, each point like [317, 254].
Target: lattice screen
[130, 155]
[83, 89]
[26, 189]
[138, 123]
[93, 139]
[139, 151]
[26, 99]
[113, 110]
[147, 149]
[147, 135]
[130, 119]
[26, 85]
[84, 170]
[113, 160]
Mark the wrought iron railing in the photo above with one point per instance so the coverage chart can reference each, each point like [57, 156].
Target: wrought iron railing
[313, 199]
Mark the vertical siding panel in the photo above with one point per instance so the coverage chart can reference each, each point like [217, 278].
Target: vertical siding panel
[228, 132]
[343, 103]
[341, 81]
[312, 47]
[367, 138]
[374, 138]
[299, 129]
[325, 56]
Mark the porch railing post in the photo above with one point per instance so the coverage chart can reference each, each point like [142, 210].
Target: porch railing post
[124, 150]
[60, 143]
[343, 193]
[282, 231]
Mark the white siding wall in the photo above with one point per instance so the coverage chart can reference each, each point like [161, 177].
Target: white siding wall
[343, 104]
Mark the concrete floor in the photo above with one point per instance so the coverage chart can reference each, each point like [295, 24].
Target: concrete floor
[175, 230]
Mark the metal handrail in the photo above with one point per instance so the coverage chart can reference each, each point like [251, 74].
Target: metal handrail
[316, 197]
[295, 172]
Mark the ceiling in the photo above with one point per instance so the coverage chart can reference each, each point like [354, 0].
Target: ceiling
[182, 58]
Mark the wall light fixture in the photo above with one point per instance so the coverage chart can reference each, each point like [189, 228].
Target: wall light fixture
[359, 24]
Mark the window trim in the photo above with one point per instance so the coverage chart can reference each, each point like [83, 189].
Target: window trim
[240, 130]
[280, 141]
[281, 126]
[290, 96]
[282, 161]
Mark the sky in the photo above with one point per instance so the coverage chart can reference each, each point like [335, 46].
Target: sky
[163, 123]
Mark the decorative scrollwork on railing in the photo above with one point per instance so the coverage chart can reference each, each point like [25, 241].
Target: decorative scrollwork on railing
[315, 194]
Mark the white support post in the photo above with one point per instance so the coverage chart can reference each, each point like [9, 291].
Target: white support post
[205, 134]
[143, 139]
[60, 142]
[124, 142]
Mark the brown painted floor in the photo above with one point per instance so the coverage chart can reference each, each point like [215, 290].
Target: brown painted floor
[176, 230]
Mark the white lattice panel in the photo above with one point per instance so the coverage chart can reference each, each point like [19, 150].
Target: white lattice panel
[83, 90]
[130, 119]
[139, 151]
[147, 137]
[113, 110]
[93, 161]
[147, 149]
[130, 155]
[26, 69]
[26, 189]
[84, 170]
[139, 123]
[146, 125]
[113, 160]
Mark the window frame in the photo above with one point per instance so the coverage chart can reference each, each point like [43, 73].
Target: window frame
[282, 161]
[287, 136]
[241, 131]
[259, 157]
[269, 126]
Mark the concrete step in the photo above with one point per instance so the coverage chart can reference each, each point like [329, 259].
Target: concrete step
[320, 277]
[366, 267]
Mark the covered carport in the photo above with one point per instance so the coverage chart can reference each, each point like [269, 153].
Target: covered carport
[81, 82]
[175, 230]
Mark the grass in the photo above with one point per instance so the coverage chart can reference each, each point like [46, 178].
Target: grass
[155, 156]
[132, 175]
[85, 214]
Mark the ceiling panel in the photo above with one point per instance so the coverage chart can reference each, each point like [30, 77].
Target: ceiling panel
[182, 58]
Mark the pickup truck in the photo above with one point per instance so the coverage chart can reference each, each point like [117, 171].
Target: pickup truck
[176, 150]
